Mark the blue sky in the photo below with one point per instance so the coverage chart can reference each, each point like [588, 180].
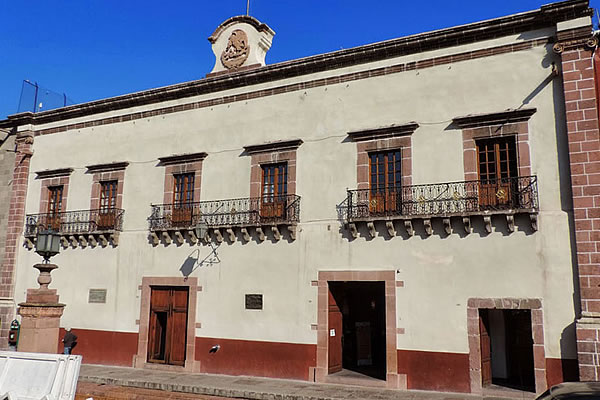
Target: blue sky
[95, 49]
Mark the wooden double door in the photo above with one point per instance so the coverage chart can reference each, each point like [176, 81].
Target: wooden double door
[167, 333]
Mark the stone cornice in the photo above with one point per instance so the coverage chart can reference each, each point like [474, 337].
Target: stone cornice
[546, 16]
[182, 158]
[114, 166]
[274, 146]
[499, 118]
[575, 38]
[53, 173]
[383, 132]
[259, 26]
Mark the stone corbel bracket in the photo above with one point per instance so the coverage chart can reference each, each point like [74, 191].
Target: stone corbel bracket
[487, 223]
[390, 228]
[219, 233]
[488, 218]
[84, 240]
[447, 225]
[427, 227]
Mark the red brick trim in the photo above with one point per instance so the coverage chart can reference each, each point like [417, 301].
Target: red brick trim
[14, 230]
[393, 379]
[393, 69]
[44, 195]
[191, 365]
[182, 168]
[106, 176]
[583, 137]
[258, 159]
[537, 329]
[363, 148]
[518, 129]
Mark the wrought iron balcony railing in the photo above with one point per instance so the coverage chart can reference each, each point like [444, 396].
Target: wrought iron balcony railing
[266, 210]
[76, 222]
[442, 199]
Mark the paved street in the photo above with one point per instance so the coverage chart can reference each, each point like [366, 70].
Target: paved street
[202, 386]
[109, 392]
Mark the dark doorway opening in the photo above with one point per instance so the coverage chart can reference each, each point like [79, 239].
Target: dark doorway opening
[167, 331]
[507, 349]
[357, 309]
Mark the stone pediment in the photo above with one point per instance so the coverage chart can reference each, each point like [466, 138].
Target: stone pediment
[240, 43]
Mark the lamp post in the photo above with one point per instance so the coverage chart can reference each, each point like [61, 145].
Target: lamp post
[41, 311]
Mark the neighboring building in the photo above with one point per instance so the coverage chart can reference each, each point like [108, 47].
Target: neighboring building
[415, 213]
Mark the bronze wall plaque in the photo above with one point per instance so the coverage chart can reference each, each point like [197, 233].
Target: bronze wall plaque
[97, 296]
[254, 302]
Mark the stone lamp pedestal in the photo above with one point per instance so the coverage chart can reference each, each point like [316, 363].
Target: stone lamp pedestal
[40, 315]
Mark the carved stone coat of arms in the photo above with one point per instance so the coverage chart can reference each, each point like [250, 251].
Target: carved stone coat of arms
[237, 50]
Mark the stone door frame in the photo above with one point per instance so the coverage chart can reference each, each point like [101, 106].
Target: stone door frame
[537, 330]
[140, 361]
[393, 379]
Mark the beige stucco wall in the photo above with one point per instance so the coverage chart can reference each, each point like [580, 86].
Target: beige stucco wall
[440, 273]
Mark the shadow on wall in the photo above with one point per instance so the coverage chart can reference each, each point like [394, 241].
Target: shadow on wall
[567, 368]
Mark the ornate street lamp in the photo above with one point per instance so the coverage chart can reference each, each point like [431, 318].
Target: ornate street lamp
[47, 244]
[41, 310]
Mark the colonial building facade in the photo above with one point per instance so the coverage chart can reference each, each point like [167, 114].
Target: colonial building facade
[416, 213]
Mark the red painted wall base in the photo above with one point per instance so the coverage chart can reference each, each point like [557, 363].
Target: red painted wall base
[425, 370]
[561, 370]
[246, 357]
[104, 347]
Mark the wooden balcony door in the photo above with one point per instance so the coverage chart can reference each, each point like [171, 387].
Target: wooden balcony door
[107, 213]
[274, 191]
[167, 331]
[183, 198]
[385, 182]
[497, 164]
[55, 195]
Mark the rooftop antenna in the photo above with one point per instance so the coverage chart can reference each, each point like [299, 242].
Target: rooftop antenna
[248, 8]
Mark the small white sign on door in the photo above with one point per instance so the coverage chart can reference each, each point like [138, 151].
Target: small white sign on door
[332, 332]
